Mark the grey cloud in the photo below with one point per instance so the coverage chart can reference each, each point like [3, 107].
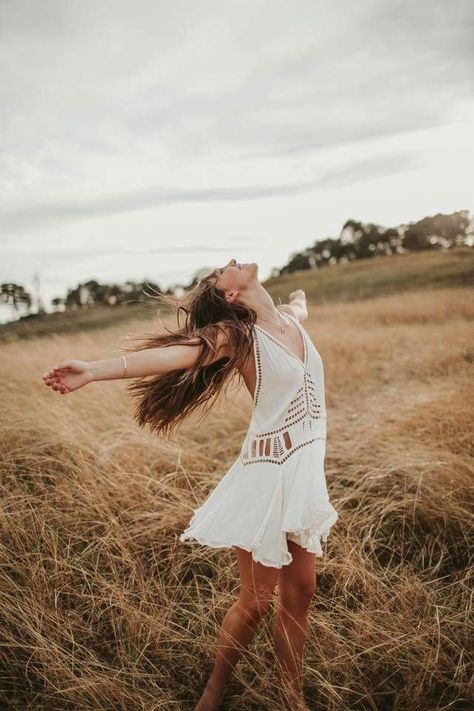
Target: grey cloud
[367, 169]
[387, 69]
[51, 214]
[151, 198]
[376, 69]
[113, 252]
[83, 83]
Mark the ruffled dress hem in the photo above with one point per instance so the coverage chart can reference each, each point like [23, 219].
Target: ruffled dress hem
[308, 538]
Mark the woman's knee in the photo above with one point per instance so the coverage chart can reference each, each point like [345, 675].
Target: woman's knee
[296, 596]
[255, 603]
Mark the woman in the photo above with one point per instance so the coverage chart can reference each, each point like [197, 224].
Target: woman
[272, 505]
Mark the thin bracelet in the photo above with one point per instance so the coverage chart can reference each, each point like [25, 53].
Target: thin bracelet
[125, 364]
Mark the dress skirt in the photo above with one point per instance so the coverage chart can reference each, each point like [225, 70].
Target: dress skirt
[254, 507]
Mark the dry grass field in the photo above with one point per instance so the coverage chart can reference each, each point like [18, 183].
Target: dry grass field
[104, 609]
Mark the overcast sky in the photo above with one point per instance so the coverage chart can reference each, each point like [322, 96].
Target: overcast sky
[151, 138]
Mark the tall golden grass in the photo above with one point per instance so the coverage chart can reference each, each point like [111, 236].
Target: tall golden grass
[104, 608]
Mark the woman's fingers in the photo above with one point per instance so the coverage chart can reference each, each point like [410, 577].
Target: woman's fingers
[65, 377]
[50, 374]
[57, 371]
[50, 379]
[60, 387]
[56, 383]
[62, 368]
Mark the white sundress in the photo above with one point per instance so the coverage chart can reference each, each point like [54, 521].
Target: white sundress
[276, 488]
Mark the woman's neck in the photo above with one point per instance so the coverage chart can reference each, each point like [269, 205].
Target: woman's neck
[258, 299]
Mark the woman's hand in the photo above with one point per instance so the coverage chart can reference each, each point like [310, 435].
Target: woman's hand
[298, 294]
[68, 376]
[297, 300]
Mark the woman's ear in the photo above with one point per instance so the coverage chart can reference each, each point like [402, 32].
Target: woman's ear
[231, 296]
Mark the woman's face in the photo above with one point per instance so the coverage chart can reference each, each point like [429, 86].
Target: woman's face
[234, 276]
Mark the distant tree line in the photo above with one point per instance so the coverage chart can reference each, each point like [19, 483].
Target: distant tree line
[362, 240]
[357, 240]
[86, 295]
[92, 293]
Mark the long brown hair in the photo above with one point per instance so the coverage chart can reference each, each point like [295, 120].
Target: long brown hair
[162, 401]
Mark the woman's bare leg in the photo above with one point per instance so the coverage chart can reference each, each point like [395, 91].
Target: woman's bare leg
[257, 585]
[297, 584]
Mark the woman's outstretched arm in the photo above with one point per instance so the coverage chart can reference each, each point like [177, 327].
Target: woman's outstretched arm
[297, 305]
[70, 375]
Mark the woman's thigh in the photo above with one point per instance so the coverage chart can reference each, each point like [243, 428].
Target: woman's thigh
[257, 581]
[298, 578]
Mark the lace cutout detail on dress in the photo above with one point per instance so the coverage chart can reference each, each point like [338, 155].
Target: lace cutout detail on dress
[307, 401]
[279, 455]
[296, 431]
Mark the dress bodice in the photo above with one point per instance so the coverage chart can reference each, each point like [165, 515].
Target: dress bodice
[289, 410]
